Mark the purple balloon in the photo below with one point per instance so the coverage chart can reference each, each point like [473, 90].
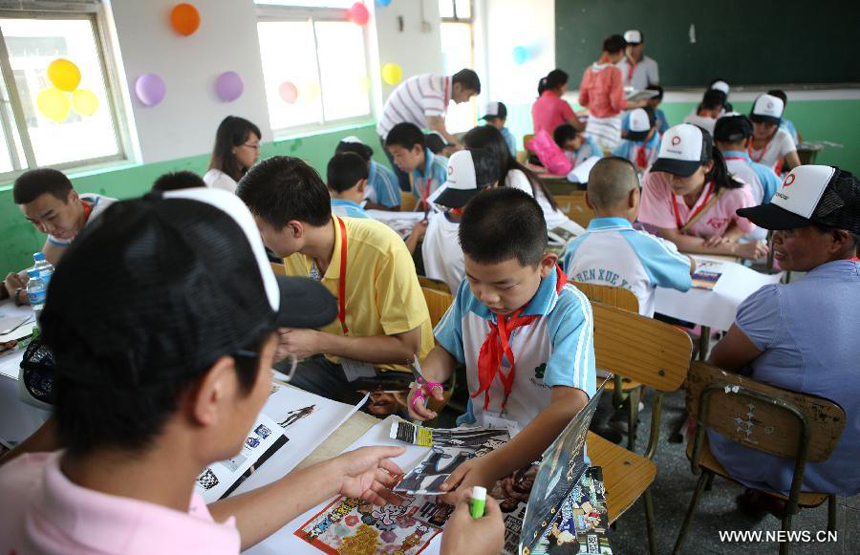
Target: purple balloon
[229, 86]
[150, 89]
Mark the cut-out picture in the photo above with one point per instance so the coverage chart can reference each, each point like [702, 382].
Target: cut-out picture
[207, 480]
[295, 415]
[262, 431]
[252, 442]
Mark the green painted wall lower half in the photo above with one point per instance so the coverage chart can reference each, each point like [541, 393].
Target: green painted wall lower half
[19, 240]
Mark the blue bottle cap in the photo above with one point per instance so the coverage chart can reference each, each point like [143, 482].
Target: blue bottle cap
[38, 256]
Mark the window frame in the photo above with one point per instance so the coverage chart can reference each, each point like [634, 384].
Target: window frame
[274, 13]
[84, 10]
[470, 21]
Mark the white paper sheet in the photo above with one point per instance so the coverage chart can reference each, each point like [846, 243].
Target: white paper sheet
[579, 174]
[717, 307]
[10, 313]
[401, 222]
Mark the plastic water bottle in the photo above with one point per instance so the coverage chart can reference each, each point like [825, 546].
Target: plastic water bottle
[46, 269]
[37, 291]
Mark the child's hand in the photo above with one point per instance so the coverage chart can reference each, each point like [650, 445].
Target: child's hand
[481, 536]
[715, 241]
[474, 472]
[752, 251]
[417, 401]
[368, 473]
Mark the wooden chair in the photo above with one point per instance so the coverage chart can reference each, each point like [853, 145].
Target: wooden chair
[437, 303]
[621, 387]
[574, 207]
[279, 269]
[656, 355]
[435, 284]
[408, 202]
[784, 423]
[526, 138]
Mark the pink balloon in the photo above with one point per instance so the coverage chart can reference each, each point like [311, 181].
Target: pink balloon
[229, 86]
[289, 93]
[358, 14]
[150, 89]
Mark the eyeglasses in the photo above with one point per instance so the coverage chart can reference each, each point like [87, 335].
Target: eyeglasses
[254, 146]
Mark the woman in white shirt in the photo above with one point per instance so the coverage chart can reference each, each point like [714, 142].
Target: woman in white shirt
[237, 148]
[519, 177]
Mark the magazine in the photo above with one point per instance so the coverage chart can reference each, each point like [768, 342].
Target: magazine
[708, 273]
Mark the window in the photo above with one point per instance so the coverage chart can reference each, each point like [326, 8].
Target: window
[314, 64]
[29, 42]
[457, 53]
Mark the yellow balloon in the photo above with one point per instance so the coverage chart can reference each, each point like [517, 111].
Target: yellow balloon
[309, 92]
[64, 75]
[54, 104]
[392, 73]
[85, 102]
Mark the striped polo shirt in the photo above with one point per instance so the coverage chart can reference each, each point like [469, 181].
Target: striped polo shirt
[415, 100]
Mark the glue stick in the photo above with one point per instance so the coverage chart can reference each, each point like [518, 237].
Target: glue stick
[478, 501]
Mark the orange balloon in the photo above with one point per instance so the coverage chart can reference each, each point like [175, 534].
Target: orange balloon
[185, 19]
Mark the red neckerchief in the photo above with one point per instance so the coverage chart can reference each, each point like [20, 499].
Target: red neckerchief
[778, 167]
[641, 158]
[497, 344]
[735, 158]
[456, 211]
[632, 67]
[701, 207]
[855, 259]
[341, 284]
[88, 210]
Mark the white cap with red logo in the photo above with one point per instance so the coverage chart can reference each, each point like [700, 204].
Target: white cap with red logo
[767, 108]
[683, 149]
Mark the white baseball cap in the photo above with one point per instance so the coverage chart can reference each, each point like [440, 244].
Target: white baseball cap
[640, 125]
[767, 108]
[821, 195]
[683, 149]
[352, 139]
[468, 171]
[633, 37]
[721, 86]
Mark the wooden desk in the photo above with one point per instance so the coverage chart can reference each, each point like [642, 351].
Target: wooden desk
[355, 427]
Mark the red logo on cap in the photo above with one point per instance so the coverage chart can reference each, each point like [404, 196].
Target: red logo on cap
[770, 105]
[676, 140]
[450, 170]
[789, 180]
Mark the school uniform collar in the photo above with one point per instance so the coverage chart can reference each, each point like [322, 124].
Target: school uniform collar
[113, 524]
[738, 153]
[541, 304]
[609, 224]
[345, 202]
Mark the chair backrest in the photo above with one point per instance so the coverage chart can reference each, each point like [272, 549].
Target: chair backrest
[763, 417]
[435, 284]
[408, 202]
[640, 348]
[573, 205]
[279, 269]
[613, 296]
[437, 303]
[526, 138]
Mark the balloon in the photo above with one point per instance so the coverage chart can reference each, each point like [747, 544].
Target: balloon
[392, 73]
[64, 75]
[54, 104]
[150, 89]
[383, 3]
[310, 91]
[85, 102]
[185, 19]
[288, 92]
[358, 14]
[229, 86]
[521, 54]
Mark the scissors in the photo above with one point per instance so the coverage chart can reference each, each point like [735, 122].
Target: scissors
[415, 367]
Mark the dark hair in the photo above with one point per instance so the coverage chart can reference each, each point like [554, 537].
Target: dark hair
[652, 116]
[345, 170]
[32, 184]
[719, 174]
[554, 79]
[282, 189]
[406, 135]
[435, 142]
[657, 88]
[361, 149]
[487, 168]
[489, 138]
[501, 224]
[94, 415]
[780, 94]
[467, 79]
[614, 44]
[178, 180]
[712, 100]
[563, 133]
[232, 132]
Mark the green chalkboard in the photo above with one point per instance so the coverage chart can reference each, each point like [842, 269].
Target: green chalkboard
[746, 42]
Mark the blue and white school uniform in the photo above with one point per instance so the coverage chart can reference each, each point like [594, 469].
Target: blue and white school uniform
[630, 150]
[347, 209]
[434, 176]
[587, 149]
[382, 186]
[510, 141]
[762, 180]
[556, 349]
[659, 120]
[611, 252]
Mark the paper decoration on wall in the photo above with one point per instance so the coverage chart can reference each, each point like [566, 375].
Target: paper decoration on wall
[150, 89]
[185, 19]
[358, 14]
[383, 3]
[288, 92]
[309, 92]
[229, 86]
[521, 54]
[392, 73]
[64, 75]
[54, 104]
[85, 102]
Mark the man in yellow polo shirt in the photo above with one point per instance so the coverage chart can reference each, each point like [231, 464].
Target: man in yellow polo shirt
[382, 318]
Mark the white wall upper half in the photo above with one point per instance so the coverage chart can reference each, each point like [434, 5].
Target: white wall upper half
[184, 123]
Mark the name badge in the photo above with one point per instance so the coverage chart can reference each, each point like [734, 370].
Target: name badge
[355, 369]
[496, 421]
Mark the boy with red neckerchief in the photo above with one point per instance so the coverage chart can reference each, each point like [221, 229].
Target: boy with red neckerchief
[523, 332]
